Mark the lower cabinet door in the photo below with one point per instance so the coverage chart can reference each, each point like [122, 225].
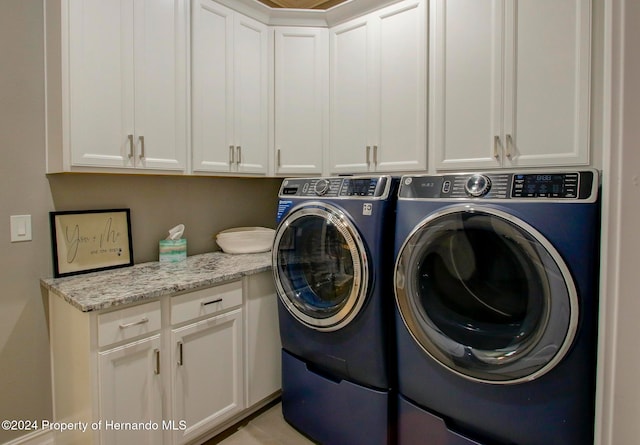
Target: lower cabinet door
[130, 387]
[208, 374]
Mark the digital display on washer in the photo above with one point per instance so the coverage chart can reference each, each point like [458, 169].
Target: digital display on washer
[360, 187]
[553, 185]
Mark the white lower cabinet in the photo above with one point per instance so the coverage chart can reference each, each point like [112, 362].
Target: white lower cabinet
[171, 371]
[130, 388]
[207, 369]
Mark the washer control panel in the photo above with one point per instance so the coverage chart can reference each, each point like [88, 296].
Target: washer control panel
[337, 187]
[477, 185]
[579, 185]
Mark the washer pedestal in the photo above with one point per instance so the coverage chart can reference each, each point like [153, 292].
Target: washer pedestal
[333, 412]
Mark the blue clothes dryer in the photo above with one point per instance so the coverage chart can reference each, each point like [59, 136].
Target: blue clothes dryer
[496, 286]
[333, 269]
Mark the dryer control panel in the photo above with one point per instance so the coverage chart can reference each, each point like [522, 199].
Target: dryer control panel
[558, 185]
[368, 187]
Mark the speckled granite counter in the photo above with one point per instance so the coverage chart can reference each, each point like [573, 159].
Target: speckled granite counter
[100, 290]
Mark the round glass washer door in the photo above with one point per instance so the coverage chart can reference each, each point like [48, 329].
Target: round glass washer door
[486, 295]
[320, 266]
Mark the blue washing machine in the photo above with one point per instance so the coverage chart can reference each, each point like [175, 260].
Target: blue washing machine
[496, 286]
[333, 269]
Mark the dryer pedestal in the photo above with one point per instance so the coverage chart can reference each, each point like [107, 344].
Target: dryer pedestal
[333, 412]
[418, 427]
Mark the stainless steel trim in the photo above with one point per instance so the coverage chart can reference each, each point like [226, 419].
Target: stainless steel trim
[359, 257]
[143, 320]
[401, 296]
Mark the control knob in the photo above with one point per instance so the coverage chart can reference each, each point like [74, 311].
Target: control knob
[321, 187]
[477, 185]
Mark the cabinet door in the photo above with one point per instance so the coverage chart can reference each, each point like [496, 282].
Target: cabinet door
[251, 106]
[263, 344]
[401, 122]
[208, 376]
[547, 82]
[130, 388]
[160, 36]
[301, 99]
[352, 77]
[100, 82]
[212, 86]
[466, 83]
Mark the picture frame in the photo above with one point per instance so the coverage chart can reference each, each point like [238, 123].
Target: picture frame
[90, 240]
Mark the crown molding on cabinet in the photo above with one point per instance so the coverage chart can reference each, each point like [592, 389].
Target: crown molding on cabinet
[305, 17]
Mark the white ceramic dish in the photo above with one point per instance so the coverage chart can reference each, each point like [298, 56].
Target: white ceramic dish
[246, 239]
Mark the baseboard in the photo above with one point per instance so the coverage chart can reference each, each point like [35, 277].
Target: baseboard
[35, 438]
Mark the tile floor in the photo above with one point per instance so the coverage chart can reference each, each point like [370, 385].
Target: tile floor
[267, 428]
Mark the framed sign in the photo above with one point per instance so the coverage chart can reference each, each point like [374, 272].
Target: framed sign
[90, 240]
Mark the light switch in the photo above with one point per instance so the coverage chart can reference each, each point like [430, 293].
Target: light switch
[20, 228]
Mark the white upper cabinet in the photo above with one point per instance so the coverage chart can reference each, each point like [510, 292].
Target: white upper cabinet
[378, 95]
[230, 90]
[301, 99]
[116, 85]
[509, 83]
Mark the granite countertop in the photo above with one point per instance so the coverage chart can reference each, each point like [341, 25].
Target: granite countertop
[100, 290]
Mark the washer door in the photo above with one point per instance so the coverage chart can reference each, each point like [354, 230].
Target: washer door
[320, 266]
[486, 295]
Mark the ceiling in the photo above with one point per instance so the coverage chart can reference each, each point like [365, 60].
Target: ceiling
[302, 4]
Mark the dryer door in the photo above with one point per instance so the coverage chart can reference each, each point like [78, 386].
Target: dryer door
[320, 266]
[486, 295]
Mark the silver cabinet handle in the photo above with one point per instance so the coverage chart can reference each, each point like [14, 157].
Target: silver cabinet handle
[239, 152]
[180, 357]
[368, 154]
[141, 138]
[509, 146]
[375, 155]
[156, 369]
[130, 137]
[496, 147]
[231, 155]
[278, 164]
[143, 320]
